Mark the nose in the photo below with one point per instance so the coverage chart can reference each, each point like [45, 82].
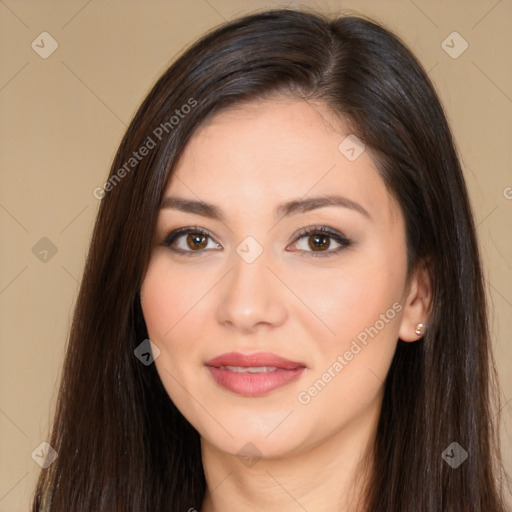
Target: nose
[252, 296]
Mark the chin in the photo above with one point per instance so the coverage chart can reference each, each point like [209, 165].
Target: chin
[248, 439]
[256, 447]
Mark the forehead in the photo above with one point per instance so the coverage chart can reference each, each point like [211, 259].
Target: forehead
[267, 151]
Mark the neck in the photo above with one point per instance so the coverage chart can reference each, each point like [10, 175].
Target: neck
[327, 477]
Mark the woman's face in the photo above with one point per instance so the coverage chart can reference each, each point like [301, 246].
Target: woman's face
[319, 313]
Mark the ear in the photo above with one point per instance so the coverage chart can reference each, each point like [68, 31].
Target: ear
[417, 304]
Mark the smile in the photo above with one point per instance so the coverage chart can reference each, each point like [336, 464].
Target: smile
[254, 374]
[251, 369]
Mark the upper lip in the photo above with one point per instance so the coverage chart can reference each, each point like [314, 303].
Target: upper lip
[254, 360]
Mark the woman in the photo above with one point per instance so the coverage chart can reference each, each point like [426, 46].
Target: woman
[282, 306]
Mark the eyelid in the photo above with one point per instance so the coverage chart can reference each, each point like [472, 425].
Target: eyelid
[326, 230]
[175, 233]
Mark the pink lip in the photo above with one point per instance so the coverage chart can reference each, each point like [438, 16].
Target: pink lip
[253, 384]
[257, 359]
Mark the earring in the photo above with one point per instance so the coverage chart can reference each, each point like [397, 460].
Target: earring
[419, 329]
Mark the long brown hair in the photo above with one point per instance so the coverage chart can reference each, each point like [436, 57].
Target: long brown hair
[122, 444]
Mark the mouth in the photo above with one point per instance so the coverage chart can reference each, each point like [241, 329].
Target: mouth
[253, 374]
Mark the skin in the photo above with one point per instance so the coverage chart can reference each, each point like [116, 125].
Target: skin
[246, 161]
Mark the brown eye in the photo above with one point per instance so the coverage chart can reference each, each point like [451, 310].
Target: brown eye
[189, 241]
[194, 241]
[319, 240]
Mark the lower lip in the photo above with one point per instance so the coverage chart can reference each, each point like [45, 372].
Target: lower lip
[254, 384]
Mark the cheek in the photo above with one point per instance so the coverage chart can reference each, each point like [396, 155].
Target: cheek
[168, 298]
[169, 302]
[344, 302]
[351, 363]
[360, 304]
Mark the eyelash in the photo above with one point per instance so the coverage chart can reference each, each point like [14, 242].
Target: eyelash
[314, 230]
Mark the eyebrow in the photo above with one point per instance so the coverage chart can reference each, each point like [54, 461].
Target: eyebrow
[283, 210]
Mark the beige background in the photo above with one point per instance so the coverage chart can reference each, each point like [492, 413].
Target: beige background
[61, 121]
